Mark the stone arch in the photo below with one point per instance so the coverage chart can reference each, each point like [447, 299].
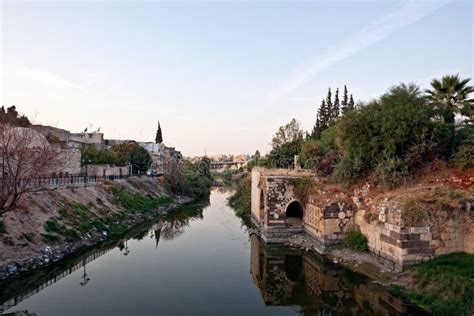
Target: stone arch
[294, 212]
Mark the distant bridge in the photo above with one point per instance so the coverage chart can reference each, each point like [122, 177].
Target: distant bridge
[218, 165]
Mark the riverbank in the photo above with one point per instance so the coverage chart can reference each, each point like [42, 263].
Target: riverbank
[50, 225]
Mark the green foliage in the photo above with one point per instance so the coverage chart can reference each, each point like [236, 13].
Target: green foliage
[11, 116]
[240, 201]
[288, 133]
[413, 211]
[284, 155]
[138, 203]
[398, 126]
[302, 188]
[3, 229]
[356, 240]
[53, 226]
[390, 173]
[91, 155]
[446, 285]
[134, 154]
[450, 95]
[190, 179]
[159, 135]
[50, 238]
[349, 169]
[28, 236]
[463, 156]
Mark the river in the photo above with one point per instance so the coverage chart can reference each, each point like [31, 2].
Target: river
[198, 260]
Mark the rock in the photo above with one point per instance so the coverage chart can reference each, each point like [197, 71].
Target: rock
[11, 269]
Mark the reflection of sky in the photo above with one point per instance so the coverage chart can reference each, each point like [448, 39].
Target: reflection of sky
[205, 270]
[222, 74]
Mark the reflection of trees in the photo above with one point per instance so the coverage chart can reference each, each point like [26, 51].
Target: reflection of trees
[175, 223]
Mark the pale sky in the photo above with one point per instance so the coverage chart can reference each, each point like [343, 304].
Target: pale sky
[219, 75]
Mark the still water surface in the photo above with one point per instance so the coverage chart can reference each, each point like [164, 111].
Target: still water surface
[199, 260]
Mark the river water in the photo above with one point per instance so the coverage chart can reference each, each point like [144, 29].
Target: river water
[198, 260]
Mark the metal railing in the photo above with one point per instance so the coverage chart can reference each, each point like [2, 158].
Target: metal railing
[44, 182]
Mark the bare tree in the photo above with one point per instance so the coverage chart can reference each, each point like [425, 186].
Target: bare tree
[25, 155]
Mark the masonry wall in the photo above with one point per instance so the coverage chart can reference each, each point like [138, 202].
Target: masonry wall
[330, 213]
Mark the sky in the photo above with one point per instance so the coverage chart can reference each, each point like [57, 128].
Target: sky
[220, 76]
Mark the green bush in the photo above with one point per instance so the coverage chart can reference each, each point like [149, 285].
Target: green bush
[391, 173]
[283, 156]
[463, 156]
[190, 179]
[356, 240]
[349, 169]
[398, 126]
[2, 227]
[241, 200]
[137, 202]
[53, 226]
[413, 212]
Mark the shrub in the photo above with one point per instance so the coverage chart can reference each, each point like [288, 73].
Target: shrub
[53, 226]
[302, 189]
[136, 202]
[398, 126]
[463, 156]
[2, 227]
[28, 236]
[50, 238]
[390, 173]
[356, 240]
[348, 170]
[413, 212]
[241, 200]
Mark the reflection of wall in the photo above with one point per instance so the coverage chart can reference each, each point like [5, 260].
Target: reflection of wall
[320, 286]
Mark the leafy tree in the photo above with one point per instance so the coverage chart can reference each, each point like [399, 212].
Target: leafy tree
[133, 154]
[283, 156]
[12, 117]
[450, 96]
[91, 155]
[398, 125]
[287, 133]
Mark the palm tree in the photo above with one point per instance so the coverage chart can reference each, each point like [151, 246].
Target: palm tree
[449, 96]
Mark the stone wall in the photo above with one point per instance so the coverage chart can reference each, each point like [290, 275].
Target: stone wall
[106, 170]
[400, 245]
[331, 212]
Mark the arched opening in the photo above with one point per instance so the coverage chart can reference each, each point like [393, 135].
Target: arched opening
[293, 267]
[294, 213]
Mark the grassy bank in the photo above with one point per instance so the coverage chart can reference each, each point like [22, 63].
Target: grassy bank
[240, 201]
[75, 220]
[442, 286]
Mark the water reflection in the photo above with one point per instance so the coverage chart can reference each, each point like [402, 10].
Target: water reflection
[170, 226]
[287, 277]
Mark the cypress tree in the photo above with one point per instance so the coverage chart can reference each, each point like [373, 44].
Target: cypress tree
[351, 105]
[335, 107]
[316, 128]
[323, 115]
[159, 136]
[345, 100]
[329, 107]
